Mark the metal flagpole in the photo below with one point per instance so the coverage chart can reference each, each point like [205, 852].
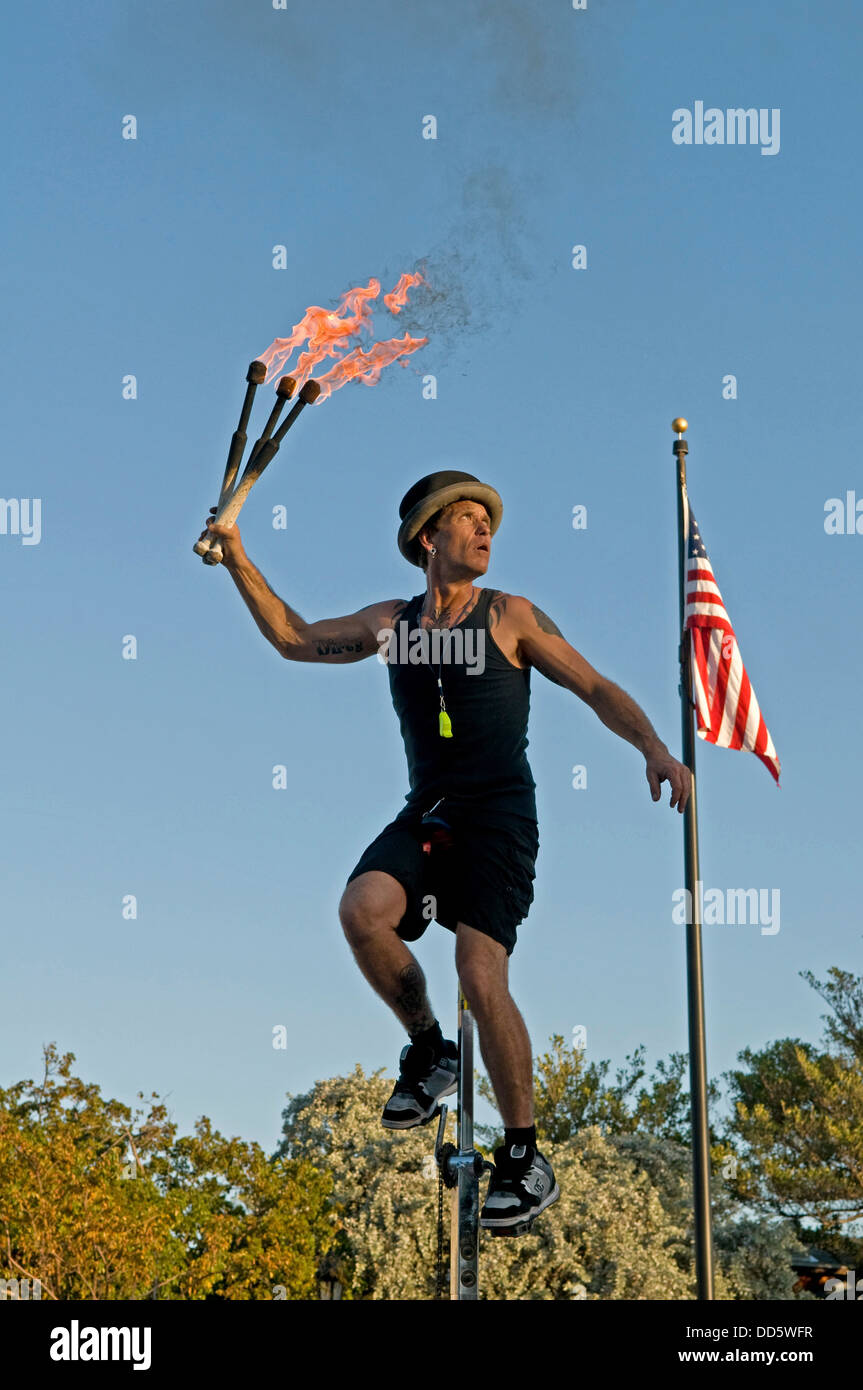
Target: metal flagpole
[694, 970]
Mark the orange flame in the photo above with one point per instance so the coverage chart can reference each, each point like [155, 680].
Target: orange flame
[367, 365]
[397, 298]
[326, 333]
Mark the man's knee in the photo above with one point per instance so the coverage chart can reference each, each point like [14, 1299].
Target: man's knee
[373, 902]
[481, 964]
[484, 988]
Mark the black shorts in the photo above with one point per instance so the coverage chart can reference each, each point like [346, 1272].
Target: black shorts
[484, 880]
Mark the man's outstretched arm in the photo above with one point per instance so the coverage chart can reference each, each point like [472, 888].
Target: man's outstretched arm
[335, 641]
[543, 645]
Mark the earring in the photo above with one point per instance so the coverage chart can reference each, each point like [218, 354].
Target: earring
[433, 550]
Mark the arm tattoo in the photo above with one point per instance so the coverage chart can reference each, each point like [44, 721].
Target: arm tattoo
[327, 648]
[543, 621]
[496, 613]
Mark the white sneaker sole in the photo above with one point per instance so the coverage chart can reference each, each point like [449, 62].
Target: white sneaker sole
[519, 1223]
[423, 1119]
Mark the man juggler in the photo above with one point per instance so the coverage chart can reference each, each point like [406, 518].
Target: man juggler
[463, 848]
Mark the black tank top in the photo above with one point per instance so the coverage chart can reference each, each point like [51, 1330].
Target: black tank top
[487, 700]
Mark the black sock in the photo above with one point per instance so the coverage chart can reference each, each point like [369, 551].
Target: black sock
[520, 1136]
[431, 1037]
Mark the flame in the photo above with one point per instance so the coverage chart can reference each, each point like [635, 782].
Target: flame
[327, 333]
[397, 298]
[323, 328]
[367, 365]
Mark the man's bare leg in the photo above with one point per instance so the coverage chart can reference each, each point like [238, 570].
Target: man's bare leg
[483, 969]
[371, 908]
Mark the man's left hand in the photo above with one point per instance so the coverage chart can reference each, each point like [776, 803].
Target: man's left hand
[662, 767]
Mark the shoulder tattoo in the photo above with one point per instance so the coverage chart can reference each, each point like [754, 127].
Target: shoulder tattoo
[496, 610]
[544, 622]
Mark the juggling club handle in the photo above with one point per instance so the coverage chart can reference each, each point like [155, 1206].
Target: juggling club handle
[255, 375]
[229, 510]
[238, 444]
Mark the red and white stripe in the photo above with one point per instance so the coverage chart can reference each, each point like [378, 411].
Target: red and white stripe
[728, 713]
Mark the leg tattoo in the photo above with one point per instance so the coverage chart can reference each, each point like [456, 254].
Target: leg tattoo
[411, 1000]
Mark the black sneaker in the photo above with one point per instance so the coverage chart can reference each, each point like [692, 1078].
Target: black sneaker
[521, 1186]
[423, 1081]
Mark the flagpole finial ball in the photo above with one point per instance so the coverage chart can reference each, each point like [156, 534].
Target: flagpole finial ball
[680, 425]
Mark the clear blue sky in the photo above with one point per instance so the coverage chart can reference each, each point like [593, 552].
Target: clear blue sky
[302, 127]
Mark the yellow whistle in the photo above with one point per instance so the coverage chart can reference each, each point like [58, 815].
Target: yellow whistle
[445, 725]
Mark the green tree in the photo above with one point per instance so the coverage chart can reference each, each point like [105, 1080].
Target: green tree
[571, 1093]
[621, 1229]
[646, 1121]
[387, 1205]
[98, 1201]
[798, 1116]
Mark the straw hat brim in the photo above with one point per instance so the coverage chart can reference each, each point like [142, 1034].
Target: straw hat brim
[424, 510]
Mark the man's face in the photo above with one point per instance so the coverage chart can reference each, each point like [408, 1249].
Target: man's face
[463, 538]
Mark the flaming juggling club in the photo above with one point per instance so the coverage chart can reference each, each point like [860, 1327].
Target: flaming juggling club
[326, 333]
[284, 390]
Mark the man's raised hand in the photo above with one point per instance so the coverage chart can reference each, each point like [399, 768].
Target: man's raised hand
[232, 545]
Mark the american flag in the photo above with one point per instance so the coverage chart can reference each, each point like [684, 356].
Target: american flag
[728, 712]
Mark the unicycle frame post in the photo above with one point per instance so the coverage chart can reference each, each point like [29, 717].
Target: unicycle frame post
[465, 1262]
[461, 1168]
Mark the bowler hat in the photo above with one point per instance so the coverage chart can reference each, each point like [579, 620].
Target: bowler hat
[432, 493]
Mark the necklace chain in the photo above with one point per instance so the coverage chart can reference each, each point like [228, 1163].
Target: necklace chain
[435, 616]
[445, 724]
